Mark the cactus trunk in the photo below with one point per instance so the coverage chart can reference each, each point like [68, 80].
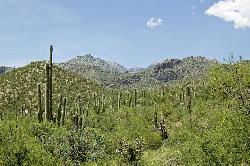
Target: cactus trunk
[59, 111]
[50, 81]
[47, 110]
[40, 111]
[64, 111]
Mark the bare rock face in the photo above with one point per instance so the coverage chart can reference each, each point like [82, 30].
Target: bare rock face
[167, 64]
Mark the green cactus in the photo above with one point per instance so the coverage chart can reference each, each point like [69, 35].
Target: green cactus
[163, 129]
[54, 118]
[135, 97]
[22, 110]
[40, 111]
[155, 120]
[77, 121]
[59, 111]
[130, 103]
[87, 111]
[103, 103]
[47, 109]
[30, 113]
[50, 81]
[189, 100]
[64, 110]
[119, 100]
[79, 109]
[80, 122]
[1, 115]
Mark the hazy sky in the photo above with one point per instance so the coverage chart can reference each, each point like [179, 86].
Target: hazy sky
[133, 33]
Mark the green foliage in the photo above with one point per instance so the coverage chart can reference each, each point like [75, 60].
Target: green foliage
[230, 83]
[226, 142]
[18, 147]
[124, 129]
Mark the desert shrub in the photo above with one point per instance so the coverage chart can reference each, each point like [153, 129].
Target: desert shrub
[130, 151]
[19, 147]
[230, 83]
[74, 146]
[226, 142]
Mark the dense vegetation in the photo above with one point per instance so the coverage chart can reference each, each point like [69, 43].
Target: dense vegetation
[203, 122]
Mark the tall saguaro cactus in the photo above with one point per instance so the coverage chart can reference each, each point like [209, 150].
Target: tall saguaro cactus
[59, 111]
[48, 88]
[47, 110]
[135, 97]
[40, 111]
[189, 100]
[50, 80]
[64, 110]
[119, 101]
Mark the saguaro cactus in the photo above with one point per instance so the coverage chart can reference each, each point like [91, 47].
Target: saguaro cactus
[1, 115]
[47, 109]
[135, 97]
[155, 120]
[22, 110]
[59, 111]
[48, 87]
[64, 110]
[130, 102]
[189, 100]
[103, 103]
[40, 111]
[77, 121]
[80, 122]
[162, 128]
[119, 101]
[79, 107]
[50, 80]
[54, 119]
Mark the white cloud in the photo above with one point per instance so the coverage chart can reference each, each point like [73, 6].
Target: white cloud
[154, 22]
[236, 11]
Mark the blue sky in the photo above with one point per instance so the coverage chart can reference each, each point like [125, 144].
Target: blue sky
[134, 33]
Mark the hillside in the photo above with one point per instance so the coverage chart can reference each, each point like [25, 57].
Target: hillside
[4, 69]
[114, 75]
[166, 72]
[94, 68]
[19, 87]
[190, 123]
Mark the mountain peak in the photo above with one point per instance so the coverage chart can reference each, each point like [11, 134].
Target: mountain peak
[109, 73]
[87, 56]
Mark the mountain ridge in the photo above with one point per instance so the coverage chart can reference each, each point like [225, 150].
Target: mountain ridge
[112, 74]
[4, 69]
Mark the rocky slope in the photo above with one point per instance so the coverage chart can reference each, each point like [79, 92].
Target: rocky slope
[111, 74]
[94, 68]
[4, 69]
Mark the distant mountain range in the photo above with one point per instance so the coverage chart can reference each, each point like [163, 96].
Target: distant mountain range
[111, 74]
[94, 68]
[4, 69]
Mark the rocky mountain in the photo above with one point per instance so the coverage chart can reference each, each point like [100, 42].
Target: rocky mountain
[94, 68]
[4, 69]
[111, 74]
